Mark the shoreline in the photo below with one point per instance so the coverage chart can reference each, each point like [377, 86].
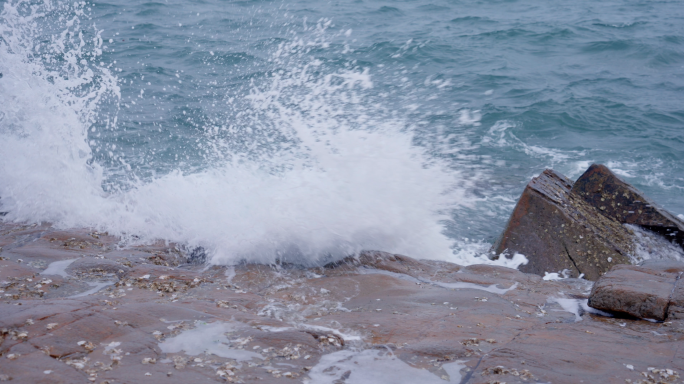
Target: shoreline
[81, 309]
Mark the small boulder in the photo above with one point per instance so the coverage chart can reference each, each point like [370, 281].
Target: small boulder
[620, 201]
[640, 291]
[558, 231]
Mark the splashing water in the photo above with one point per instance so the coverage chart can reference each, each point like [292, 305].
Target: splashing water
[304, 166]
[49, 95]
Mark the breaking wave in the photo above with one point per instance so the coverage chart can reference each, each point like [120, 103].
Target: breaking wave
[309, 165]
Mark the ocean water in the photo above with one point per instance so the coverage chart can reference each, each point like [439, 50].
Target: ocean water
[307, 131]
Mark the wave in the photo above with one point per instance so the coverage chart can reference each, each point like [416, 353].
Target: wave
[311, 167]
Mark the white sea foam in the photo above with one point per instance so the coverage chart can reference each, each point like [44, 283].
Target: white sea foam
[374, 366]
[347, 337]
[96, 288]
[207, 338]
[58, 268]
[501, 135]
[454, 369]
[578, 168]
[493, 288]
[564, 274]
[649, 245]
[490, 288]
[623, 169]
[578, 307]
[343, 175]
[230, 273]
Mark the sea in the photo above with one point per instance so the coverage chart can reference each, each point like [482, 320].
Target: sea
[306, 131]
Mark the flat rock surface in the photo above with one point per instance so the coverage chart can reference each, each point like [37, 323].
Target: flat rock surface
[378, 317]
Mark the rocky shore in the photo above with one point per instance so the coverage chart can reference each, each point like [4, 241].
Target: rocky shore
[77, 308]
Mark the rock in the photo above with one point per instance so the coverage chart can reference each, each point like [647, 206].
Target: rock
[556, 230]
[620, 201]
[198, 256]
[376, 315]
[97, 266]
[13, 270]
[668, 266]
[580, 227]
[640, 291]
[676, 309]
[389, 262]
[38, 368]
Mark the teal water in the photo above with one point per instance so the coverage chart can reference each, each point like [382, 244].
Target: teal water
[263, 129]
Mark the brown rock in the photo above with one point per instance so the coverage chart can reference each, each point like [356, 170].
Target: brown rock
[481, 323]
[668, 266]
[634, 291]
[536, 350]
[676, 309]
[84, 325]
[620, 201]
[96, 266]
[391, 263]
[39, 368]
[13, 270]
[557, 230]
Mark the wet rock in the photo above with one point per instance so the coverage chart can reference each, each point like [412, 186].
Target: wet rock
[536, 350]
[667, 266]
[557, 230]
[37, 367]
[97, 266]
[197, 256]
[676, 309]
[639, 291]
[11, 270]
[391, 263]
[412, 318]
[620, 201]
